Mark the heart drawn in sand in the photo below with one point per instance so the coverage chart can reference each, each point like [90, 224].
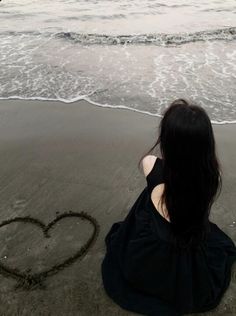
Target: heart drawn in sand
[31, 281]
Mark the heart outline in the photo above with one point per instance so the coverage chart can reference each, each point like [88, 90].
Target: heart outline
[31, 281]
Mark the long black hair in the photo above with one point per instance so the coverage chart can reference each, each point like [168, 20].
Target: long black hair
[191, 170]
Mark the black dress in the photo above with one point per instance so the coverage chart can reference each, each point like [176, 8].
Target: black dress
[145, 273]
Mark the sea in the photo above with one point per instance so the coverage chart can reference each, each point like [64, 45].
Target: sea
[133, 54]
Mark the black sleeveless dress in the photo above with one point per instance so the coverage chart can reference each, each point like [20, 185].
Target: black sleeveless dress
[144, 272]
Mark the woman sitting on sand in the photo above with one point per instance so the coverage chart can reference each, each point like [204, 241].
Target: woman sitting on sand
[167, 258]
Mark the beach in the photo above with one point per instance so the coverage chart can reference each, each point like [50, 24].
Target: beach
[57, 158]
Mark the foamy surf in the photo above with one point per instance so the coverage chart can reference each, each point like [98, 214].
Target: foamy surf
[226, 34]
[138, 55]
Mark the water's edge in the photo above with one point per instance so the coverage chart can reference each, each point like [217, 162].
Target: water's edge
[87, 99]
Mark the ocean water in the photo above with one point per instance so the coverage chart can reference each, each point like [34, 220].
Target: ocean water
[134, 54]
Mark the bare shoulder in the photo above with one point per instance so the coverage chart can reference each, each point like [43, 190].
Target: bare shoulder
[148, 163]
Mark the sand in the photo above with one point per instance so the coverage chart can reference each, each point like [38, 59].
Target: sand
[56, 158]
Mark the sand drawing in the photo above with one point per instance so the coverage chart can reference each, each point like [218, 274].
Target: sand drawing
[30, 281]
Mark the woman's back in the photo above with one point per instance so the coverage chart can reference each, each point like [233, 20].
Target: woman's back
[155, 268]
[156, 192]
[144, 272]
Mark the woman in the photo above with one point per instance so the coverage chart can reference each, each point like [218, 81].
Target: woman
[167, 258]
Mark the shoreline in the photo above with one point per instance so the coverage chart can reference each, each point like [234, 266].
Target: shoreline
[108, 106]
[56, 157]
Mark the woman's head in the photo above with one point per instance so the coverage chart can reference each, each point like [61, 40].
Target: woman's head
[191, 169]
[186, 135]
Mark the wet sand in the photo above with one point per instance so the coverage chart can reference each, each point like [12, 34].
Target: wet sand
[56, 158]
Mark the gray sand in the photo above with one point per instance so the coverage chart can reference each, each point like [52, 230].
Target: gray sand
[57, 157]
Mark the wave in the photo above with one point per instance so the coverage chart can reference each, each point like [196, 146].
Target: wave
[154, 39]
[159, 39]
